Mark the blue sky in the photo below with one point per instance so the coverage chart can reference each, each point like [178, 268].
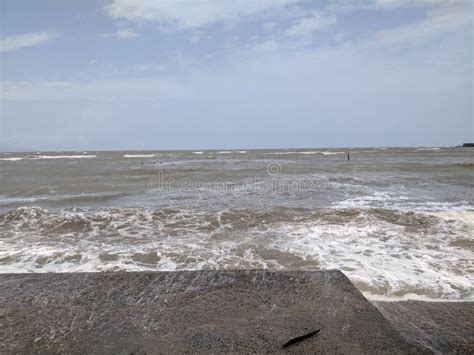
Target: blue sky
[196, 74]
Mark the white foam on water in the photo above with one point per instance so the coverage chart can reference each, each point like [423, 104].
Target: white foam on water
[50, 197]
[306, 153]
[323, 153]
[139, 155]
[461, 216]
[395, 199]
[37, 157]
[390, 262]
[333, 153]
[232, 152]
[24, 199]
[368, 200]
[12, 159]
[388, 254]
[198, 153]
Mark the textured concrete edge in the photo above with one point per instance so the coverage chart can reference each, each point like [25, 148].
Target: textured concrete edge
[201, 271]
[403, 317]
[441, 327]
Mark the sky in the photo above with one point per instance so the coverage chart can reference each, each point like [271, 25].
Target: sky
[230, 74]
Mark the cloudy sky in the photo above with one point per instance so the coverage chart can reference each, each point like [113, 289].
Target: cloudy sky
[196, 74]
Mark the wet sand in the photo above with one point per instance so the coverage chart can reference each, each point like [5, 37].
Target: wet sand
[217, 311]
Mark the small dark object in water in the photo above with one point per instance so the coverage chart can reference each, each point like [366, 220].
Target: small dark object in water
[348, 157]
[468, 145]
[300, 338]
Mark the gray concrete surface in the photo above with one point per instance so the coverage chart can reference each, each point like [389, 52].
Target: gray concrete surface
[191, 311]
[442, 327]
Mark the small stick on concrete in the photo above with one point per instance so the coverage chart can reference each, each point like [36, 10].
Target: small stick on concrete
[300, 338]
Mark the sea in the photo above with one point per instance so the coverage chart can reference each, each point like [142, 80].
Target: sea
[399, 222]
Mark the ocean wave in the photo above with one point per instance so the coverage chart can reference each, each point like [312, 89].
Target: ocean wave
[461, 216]
[232, 152]
[39, 157]
[386, 253]
[64, 157]
[6, 200]
[367, 197]
[323, 153]
[306, 153]
[64, 198]
[139, 155]
[12, 159]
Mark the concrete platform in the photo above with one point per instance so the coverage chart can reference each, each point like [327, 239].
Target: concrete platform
[191, 311]
[442, 327]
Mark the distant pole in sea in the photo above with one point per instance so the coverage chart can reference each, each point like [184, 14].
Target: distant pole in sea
[348, 156]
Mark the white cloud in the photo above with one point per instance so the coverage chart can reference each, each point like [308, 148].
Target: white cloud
[347, 6]
[309, 25]
[185, 14]
[392, 4]
[122, 33]
[437, 22]
[14, 43]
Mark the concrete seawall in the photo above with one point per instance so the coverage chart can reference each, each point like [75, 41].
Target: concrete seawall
[194, 311]
[442, 327]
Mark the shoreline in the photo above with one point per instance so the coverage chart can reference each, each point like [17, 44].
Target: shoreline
[370, 297]
[233, 311]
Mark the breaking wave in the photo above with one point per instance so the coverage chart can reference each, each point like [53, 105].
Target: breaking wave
[388, 254]
[139, 155]
[39, 157]
[307, 153]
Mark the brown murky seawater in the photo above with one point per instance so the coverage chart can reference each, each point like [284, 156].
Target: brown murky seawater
[398, 222]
